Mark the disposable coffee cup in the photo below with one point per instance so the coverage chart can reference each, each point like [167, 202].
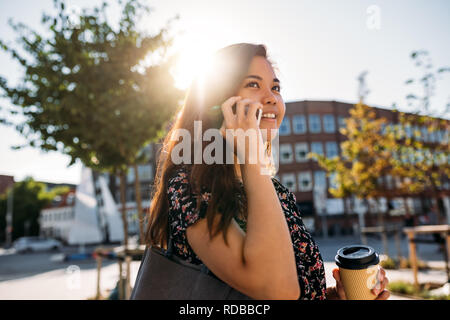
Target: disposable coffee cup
[358, 269]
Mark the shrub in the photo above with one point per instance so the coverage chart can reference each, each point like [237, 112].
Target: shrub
[403, 287]
[406, 264]
[389, 263]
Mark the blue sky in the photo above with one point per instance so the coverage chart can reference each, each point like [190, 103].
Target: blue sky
[319, 46]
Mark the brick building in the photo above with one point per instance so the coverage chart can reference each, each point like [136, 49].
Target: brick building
[308, 126]
[313, 126]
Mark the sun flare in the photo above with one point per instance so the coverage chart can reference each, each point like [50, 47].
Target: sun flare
[193, 60]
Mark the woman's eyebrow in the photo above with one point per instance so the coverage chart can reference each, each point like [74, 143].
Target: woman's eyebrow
[259, 78]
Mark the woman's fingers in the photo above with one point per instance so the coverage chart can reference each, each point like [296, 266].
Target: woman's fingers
[240, 109]
[383, 295]
[227, 109]
[254, 106]
[245, 110]
[339, 286]
[382, 282]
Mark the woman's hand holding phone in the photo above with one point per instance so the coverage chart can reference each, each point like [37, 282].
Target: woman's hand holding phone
[247, 121]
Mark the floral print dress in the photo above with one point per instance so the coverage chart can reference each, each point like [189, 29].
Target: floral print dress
[183, 213]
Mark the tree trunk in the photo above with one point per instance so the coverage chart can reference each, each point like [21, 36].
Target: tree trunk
[137, 188]
[405, 203]
[124, 208]
[381, 224]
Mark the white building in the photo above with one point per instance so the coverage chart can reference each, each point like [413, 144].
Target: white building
[87, 216]
[57, 219]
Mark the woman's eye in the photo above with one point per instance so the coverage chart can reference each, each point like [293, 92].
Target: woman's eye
[277, 88]
[256, 85]
[250, 84]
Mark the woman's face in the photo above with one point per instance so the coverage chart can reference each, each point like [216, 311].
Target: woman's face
[261, 85]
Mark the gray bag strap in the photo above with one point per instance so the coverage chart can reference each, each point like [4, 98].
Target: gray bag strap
[169, 252]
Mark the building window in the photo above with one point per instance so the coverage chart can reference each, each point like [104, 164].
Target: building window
[130, 175]
[434, 136]
[332, 180]
[341, 122]
[328, 123]
[288, 179]
[317, 147]
[424, 134]
[408, 131]
[148, 150]
[301, 152]
[416, 133]
[417, 206]
[389, 182]
[286, 154]
[380, 182]
[314, 123]
[130, 195]
[305, 181]
[145, 172]
[320, 180]
[299, 124]
[331, 149]
[439, 136]
[145, 191]
[285, 127]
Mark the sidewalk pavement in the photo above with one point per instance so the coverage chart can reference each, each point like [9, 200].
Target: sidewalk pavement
[62, 285]
[78, 282]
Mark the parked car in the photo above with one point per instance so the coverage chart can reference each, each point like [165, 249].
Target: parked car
[29, 244]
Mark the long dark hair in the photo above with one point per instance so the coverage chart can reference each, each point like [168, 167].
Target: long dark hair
[228, 70]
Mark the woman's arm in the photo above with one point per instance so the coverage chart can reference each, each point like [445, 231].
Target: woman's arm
[261, 262]
[268, 240]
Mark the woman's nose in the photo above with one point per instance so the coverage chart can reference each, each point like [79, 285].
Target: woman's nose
[269, 99]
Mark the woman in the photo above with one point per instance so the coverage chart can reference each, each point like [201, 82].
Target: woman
[243, 225]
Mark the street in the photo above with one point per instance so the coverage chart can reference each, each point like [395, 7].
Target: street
[37, 276]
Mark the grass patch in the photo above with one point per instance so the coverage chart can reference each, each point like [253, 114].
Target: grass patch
[389, 263]
[423, 292]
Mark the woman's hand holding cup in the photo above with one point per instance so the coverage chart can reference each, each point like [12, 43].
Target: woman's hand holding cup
[379, 291]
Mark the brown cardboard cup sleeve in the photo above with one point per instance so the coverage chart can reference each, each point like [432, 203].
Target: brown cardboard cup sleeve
[358, 269]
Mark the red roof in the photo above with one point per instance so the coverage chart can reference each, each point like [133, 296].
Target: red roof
[63, 200]
[5, 183]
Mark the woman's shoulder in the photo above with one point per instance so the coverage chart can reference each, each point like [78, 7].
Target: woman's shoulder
[184, 206]
[278, 185]
[283, 191]
[178, 174]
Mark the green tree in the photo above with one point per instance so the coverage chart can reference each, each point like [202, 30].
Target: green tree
[29, 198]
[420, 103]
[366, 155]
[88, 90]
[422, 161]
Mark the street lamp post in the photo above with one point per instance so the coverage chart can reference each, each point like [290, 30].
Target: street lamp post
[9, 218]
[320, 200]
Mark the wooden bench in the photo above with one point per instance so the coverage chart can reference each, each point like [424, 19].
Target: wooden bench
[411, 232]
